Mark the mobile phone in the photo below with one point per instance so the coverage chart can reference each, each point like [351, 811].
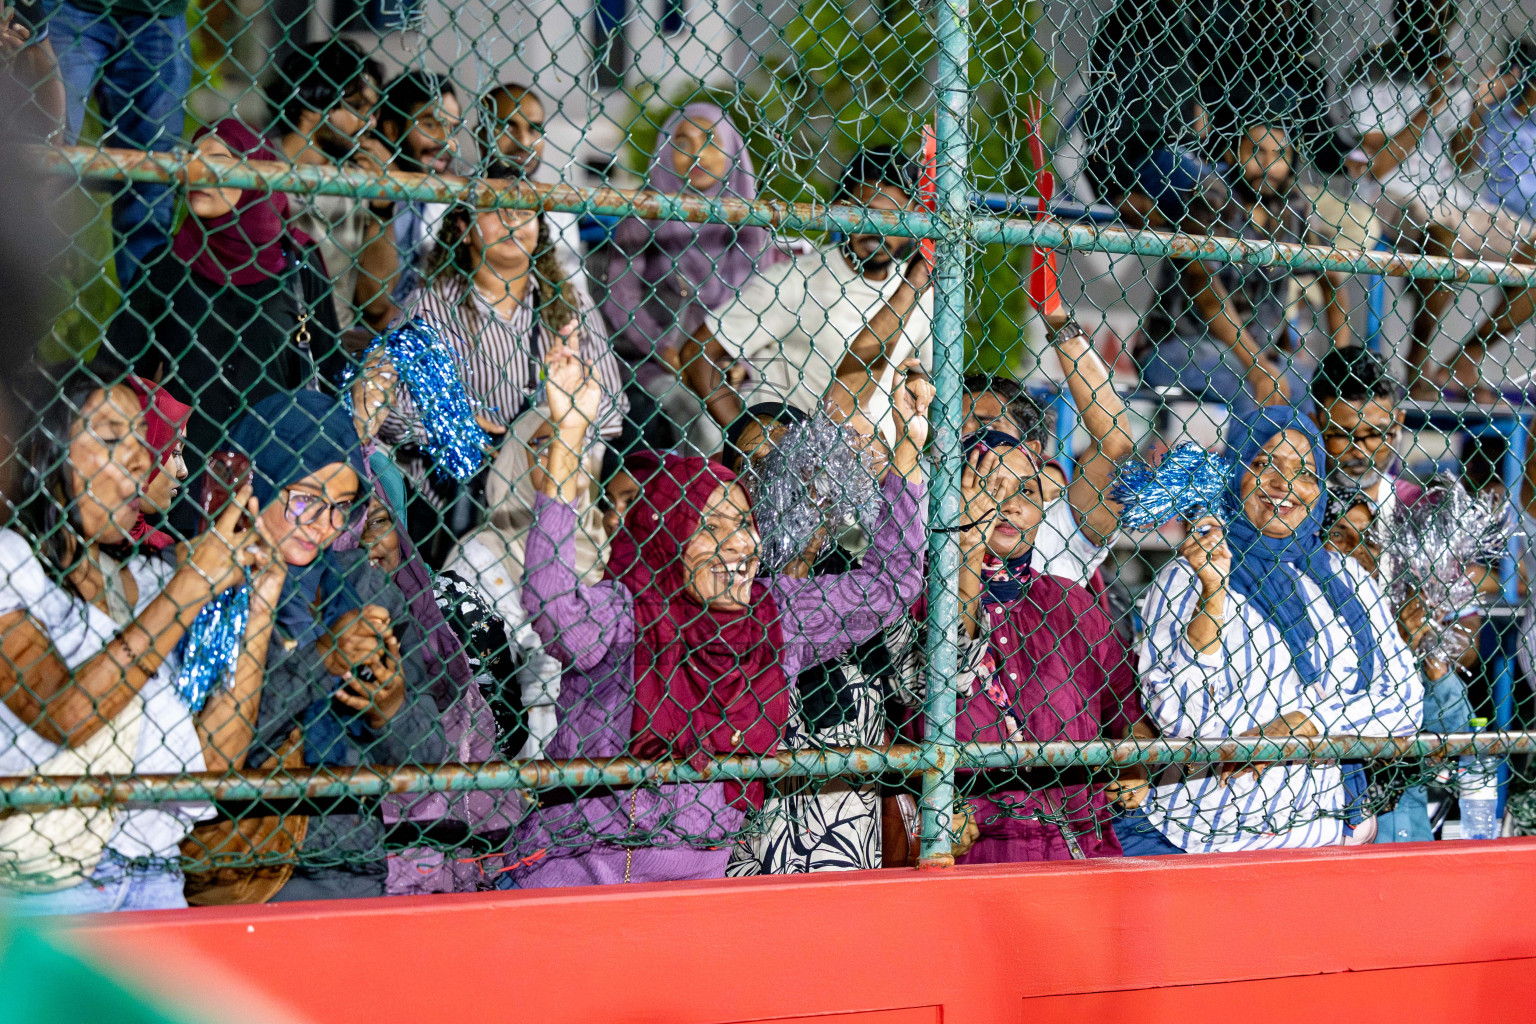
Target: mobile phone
[227, 472]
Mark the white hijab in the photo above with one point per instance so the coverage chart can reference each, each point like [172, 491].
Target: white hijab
[509, 496]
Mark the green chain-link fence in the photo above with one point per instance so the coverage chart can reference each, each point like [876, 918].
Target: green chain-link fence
[468, 294]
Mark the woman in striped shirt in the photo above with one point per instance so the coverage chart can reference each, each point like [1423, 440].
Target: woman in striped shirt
[1258, 629]
[498, 292]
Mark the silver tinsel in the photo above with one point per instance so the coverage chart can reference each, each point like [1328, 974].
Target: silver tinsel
[820, 475]
[1429, 547]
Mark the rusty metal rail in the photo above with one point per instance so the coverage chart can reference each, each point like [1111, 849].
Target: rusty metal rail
[43, 793]
[189, 170]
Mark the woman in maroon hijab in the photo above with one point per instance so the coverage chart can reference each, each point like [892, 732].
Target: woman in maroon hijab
[165, 421]
[217, 313]
[687, 654]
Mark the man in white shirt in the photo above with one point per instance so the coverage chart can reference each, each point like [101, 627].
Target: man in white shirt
[1078, 526]
[800, 323]
[1422, 179]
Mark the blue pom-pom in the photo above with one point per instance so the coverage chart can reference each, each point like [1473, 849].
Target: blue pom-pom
[1189, 483]
[424, 361]
[210, 650]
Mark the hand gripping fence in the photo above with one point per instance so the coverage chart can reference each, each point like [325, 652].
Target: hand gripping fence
[1298, 238]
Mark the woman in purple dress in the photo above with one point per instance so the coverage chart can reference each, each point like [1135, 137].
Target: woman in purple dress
[688, 654]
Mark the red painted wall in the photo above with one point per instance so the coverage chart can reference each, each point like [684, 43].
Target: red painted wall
[1441, 931]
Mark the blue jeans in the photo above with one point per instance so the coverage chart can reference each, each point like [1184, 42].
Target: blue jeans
[140, 70]
[1140, 838]
[116, 884]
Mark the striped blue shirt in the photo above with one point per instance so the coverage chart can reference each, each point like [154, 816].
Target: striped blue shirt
[1248, 682]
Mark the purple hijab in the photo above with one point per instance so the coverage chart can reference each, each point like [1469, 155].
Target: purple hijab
[665, 275]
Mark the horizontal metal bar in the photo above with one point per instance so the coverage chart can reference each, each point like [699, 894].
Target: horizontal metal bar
[1243, 749]
[38, 793]
[188, 169]
[34, 793]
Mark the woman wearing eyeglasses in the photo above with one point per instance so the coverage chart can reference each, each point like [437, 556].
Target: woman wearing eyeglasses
[1259, 630]
[340, 690]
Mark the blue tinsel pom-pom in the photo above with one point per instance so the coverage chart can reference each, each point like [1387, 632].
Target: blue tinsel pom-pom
[210, 649]
[1190, 482]
[424, 361]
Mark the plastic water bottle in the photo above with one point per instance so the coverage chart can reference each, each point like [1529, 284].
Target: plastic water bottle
[1479, 800]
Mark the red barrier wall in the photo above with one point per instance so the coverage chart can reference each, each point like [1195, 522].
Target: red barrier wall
[1441, 931]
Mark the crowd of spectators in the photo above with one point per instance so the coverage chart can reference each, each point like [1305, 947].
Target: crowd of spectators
[600, 588]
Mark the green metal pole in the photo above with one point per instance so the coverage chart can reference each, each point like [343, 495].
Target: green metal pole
[950, 281]
[179, 168]
[41, 793]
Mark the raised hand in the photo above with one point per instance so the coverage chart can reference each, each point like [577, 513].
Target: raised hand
[221, 554]
[910, 403]
[573, 390]
[1206, 551]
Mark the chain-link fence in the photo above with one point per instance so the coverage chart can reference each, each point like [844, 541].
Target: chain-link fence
[518, 445]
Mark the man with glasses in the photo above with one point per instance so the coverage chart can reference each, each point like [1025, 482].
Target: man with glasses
[420, 118]
[1357, 407]
[326, 94]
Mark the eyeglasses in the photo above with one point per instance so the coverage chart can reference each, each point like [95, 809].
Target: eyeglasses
[1371, 437]
[304, 509]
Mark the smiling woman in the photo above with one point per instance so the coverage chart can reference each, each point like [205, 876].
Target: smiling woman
[1259, 630]
[688, 654]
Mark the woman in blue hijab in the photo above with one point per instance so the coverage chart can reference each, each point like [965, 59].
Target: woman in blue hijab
[339, 690]
[1258, 628]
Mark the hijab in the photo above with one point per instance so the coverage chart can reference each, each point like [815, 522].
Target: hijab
[706, 264]
[244, 246]
[165, 421]
[468, 724]
[509, 498]
[287, 437]
[706, 681]
[1267, 570]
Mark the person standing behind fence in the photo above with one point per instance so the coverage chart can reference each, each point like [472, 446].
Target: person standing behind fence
[1499, 138]
[689, 655]
[1078, 526]
[1356, 407]
[420, 118]
[222, 313]
[492, 560]
[134, 58]
[325, 95]
[1223, 332]
[663, 279]
[1038, 663]
[808, 321]
[89, 640]
[1257, 630]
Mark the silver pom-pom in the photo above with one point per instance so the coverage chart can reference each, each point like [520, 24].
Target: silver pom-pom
[1430, 546]
[820, 475]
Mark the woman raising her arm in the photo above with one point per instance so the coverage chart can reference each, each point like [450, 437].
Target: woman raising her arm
[689, 654]
[1258, 629]
[87, 670]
